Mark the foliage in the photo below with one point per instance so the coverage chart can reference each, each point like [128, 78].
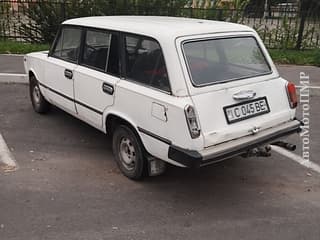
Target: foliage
[10, 47]
[298, 57]
[234, 4]
[4, 9]
[285, 35]
[44, 16]
[38, 21]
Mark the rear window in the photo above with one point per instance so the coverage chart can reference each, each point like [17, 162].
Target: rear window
[220, 60]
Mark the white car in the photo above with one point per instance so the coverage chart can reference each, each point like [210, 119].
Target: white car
[188, 92]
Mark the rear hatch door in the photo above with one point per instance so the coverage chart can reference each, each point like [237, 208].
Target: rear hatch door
[234, 85]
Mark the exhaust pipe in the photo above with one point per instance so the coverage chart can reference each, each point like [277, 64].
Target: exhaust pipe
[288, 146]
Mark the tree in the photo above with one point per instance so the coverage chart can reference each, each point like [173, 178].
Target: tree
[44, 17]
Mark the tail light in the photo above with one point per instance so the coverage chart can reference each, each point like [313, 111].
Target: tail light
[292, 95]
[192, 121]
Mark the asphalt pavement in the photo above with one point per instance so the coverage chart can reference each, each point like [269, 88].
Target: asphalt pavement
[68, 186]
[11, 64]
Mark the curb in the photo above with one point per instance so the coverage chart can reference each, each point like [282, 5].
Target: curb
[13, 78]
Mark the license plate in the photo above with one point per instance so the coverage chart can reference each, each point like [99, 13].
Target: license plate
[244, 110]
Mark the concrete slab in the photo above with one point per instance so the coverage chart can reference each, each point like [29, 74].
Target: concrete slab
[11, 63]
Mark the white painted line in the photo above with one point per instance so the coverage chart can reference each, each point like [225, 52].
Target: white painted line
[6, 156]
[13, 74]
[12, 54]
[13, 78]
[306, 163]
[311, 87]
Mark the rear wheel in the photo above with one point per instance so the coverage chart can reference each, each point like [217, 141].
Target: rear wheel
[128, 153]
[39, 103]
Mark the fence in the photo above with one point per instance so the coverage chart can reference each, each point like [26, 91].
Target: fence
[38, 20]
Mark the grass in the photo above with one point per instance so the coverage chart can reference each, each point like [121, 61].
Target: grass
[302, 57]
[306, 57]
[12, 47]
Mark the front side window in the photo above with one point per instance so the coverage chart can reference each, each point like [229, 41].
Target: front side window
[68, 44]
[145, 62]
[220, 60]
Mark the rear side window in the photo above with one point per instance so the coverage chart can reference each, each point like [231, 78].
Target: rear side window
[101, 51]
[96, 49]
[220, 60]
[145, 62]
[68, 44]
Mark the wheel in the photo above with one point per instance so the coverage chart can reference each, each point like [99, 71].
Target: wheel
[128, 153]
[39, 103]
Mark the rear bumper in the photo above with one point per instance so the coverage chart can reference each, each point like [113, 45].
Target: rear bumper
[190, 158]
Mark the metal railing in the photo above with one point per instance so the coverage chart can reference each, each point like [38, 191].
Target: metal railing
[38, 20]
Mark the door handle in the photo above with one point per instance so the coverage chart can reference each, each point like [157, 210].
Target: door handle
[107, 88]
[68, 74]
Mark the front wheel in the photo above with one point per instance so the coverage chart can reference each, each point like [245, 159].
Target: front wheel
[128, 153]
[39, 103]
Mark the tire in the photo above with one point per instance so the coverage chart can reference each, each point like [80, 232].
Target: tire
[128, 152]
[39, 103]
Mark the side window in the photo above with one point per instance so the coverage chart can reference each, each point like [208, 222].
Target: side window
[96, 49]
[113, 61]
[68, 44]
[101, 51]
[145, 62]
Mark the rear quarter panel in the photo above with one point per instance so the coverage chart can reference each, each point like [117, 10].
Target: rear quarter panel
[134, 103]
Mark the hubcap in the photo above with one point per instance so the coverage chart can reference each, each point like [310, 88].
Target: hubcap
[127, 154]
[36, 94]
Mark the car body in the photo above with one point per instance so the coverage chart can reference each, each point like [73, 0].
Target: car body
[187, 91]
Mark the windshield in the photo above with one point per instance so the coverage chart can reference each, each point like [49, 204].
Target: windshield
[220, 60]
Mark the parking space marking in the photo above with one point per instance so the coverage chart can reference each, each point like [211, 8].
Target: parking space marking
[312, 87]
[13, 78]
[6, 156]
[306, 163]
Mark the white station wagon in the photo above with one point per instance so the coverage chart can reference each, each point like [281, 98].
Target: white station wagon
[188, 92]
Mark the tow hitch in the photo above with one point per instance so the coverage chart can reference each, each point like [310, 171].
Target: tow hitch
[258, 152]
[265, 151]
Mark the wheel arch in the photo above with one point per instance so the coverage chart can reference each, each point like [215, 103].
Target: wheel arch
[112, 119]
[31, 73]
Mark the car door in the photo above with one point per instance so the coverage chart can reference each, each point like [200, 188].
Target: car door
[60, 66]
[96, 75]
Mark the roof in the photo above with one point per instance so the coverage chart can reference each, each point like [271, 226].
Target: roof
[158, 27]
